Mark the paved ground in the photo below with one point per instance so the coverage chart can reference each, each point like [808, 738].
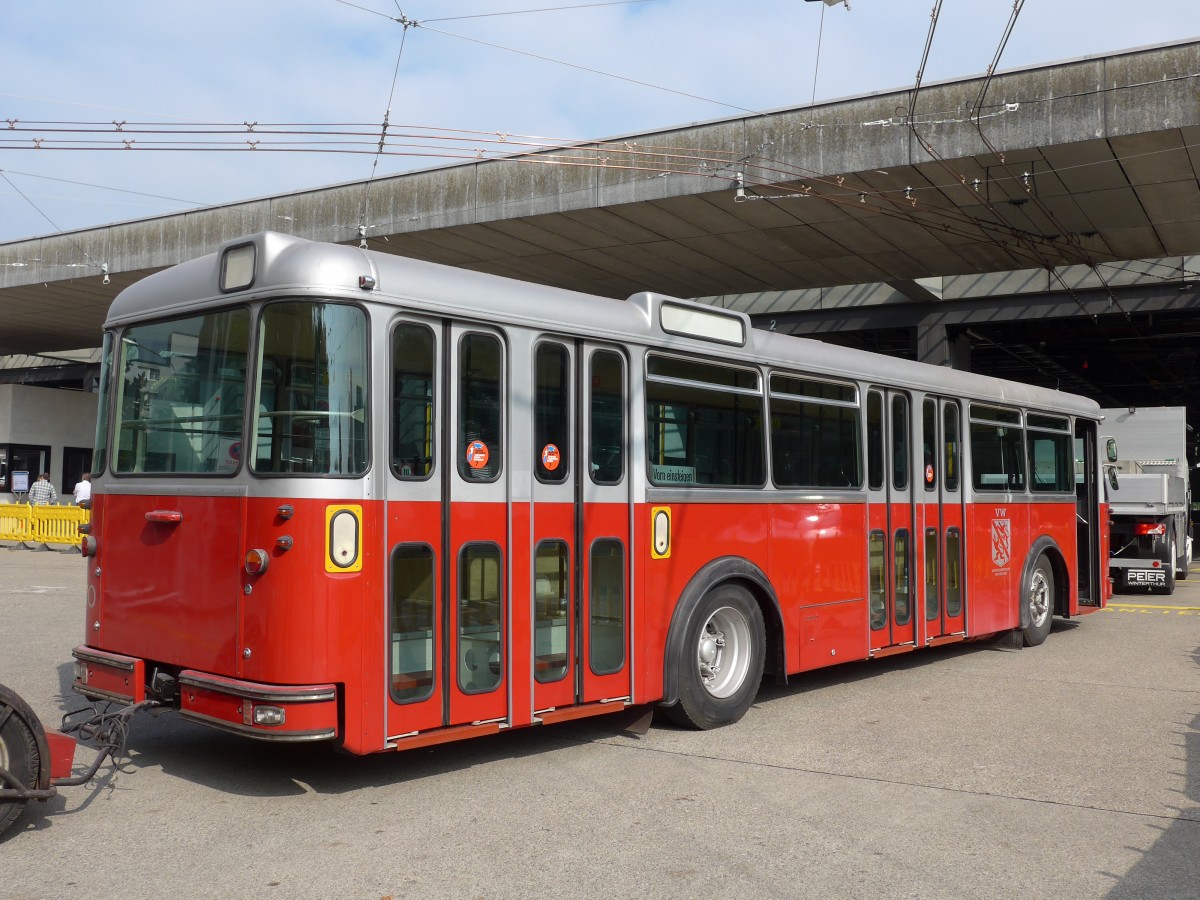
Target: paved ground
[1071, 770]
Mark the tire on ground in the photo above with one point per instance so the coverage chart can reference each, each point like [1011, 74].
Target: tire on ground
[18, 750]
[1168, 564]
[721, 659]
[1037, 602]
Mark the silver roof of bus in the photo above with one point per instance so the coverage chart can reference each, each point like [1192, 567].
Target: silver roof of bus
[288, 265]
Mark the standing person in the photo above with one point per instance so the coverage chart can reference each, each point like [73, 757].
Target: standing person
[83, 490]
[42, 492]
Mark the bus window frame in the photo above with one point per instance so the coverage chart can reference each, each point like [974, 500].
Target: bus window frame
[757, 391]
[252, 414]
[772, 393]
[117, 393]
[435, 381]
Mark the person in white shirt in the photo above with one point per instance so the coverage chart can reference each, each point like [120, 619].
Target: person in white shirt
[83, 490]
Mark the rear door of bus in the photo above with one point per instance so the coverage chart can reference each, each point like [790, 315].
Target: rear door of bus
[890, 519]
[580, 526]
[940, 499]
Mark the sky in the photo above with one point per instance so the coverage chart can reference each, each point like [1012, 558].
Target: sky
[561, 70]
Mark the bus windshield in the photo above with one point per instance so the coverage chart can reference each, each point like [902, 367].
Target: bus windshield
[180, 395]
[312, 390]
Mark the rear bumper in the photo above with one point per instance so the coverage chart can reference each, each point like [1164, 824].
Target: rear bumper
[269, 712]
[1130, 573]
[100, 675]
[290, 713]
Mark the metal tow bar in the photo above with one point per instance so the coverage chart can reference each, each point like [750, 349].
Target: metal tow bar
[35, 761]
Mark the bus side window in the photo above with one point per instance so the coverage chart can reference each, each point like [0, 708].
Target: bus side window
[875, 440]
[480, 417]
[950, 436]
[704, 423]
[900, 451]
[552, 413]
[413, 425]
[606, 427]
[997, 449]
[929, 441]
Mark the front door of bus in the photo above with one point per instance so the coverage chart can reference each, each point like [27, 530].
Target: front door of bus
[890, 518]
[448, 526]
[580, 525]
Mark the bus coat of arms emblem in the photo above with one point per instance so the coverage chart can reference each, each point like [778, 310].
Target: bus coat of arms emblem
[1001, 542]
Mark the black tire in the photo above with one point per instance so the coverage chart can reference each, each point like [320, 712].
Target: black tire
[1182, 562]
[721, 660]
[1168, 564]
[18, 750]
[1037, 602]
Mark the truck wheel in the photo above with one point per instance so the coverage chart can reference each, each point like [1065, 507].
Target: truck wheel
[1037, 597]
[722, 660]
[18, 751]
[1170, 562]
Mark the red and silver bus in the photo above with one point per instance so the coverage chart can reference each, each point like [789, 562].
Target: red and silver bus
[345, 496]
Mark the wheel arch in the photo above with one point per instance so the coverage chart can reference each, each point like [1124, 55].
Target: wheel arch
[722, 571]
[1062, 577]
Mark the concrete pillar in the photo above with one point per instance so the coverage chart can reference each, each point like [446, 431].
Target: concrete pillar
[933, 345]
[960, 353]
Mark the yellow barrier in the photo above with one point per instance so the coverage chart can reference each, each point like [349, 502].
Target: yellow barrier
[42, 524]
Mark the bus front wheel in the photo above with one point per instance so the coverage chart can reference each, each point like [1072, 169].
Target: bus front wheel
[1038, 599]
[721, 662]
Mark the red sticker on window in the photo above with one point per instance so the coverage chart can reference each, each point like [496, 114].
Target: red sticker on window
[551, 457]
[929, 474]
[477, 454]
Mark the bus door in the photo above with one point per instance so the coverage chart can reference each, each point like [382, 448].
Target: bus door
[416, 648]
[555, 463]
[890, 519]
[943, 602]
[580, 527]
[476, 618]
[448, 517]
[1088, 534]
[605, 622]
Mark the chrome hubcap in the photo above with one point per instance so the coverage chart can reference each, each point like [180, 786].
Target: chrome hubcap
[1039, 598]
[723, 652]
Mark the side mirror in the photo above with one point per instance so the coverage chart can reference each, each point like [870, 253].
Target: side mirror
[1112, 478]
[1111, 450]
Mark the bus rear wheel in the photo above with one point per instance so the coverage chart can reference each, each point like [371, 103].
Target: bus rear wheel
[1038, 600]
[18, 751]
[722, 660]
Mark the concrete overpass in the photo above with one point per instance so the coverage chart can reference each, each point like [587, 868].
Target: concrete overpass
[1069, 193]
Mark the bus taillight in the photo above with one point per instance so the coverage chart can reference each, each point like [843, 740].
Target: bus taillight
[257, 562]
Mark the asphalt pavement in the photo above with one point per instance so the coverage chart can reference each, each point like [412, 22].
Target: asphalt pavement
[1068, 770]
